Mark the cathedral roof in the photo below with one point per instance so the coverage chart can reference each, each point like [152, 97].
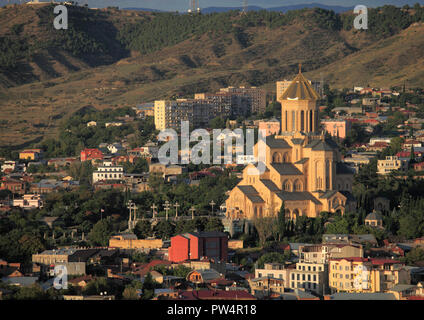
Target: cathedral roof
[297, 141]
[302, 161]
[300, 89]
[272, 142]
[327, 194]
[286, 169]
[342, 168]
[322, 145]
[297, 196]
[251, 193]
[270, 185]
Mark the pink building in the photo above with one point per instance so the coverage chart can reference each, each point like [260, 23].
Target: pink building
[336, 127]
[271, 127]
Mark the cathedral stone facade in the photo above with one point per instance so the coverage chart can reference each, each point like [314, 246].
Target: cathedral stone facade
[303, 167]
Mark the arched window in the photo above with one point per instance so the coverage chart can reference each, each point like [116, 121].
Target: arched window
[277, 157]
[297, 186]
[286, 185]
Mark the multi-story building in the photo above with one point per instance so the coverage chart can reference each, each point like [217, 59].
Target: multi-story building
[337, 127]
[366, 274]
[196, 245]
[312, 277]
[256, 98]
[276, 271]
[108, 172]
[270, 127]
[169, 114]
[391, 163]
[321, 253]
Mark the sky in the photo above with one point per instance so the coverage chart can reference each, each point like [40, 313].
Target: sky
[183, 5]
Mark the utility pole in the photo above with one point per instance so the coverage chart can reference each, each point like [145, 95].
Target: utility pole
[245, 5]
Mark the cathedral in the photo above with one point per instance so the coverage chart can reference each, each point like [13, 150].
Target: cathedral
[303, 167]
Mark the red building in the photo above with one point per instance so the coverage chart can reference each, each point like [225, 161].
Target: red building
[196, 245]
[15, 186]
[89, 154]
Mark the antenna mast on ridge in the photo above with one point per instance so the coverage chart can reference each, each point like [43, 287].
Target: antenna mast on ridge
[244, 6]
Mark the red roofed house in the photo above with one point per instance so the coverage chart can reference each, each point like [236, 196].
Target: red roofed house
[90, 154]
[15, 186]
[195, 245]
[215, 295]
[419, 166]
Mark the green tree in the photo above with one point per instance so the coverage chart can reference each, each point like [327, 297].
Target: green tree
[101, 232]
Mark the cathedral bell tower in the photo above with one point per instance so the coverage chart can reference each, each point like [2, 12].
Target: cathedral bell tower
[299, 112]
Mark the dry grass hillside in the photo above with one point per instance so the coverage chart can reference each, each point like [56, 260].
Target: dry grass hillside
[60, 82]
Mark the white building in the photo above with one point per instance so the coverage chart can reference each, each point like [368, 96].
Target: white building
[108, 172]
[392, 163]
[29, 201]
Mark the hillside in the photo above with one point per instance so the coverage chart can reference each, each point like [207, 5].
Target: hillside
[147, 56]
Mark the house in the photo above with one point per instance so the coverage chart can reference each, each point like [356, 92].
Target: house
[391, 163]
[419, 166]
[91, 154]
[114, 148]
[108, 172]
[13, 185]
[203, 276]
[130, 241]
[113, 124]
[29, 201]
[30, 154]
[195, 245]
[215, 295]
[91, 124]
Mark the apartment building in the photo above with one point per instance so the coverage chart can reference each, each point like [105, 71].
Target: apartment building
[312, 277]
[366, 274]
[337, 127]
[274, 271]
[108, 172]
[169, 114]
[255, 98]
[391, 163]
[321, 253]
[29, 201]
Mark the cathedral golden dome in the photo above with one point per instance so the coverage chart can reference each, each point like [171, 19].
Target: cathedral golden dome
[300, 89]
